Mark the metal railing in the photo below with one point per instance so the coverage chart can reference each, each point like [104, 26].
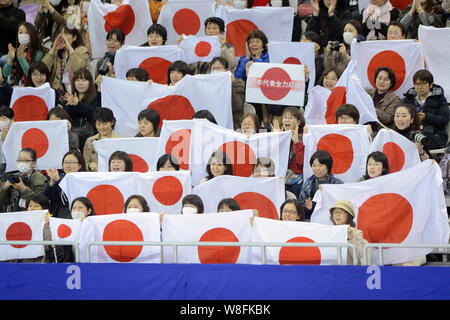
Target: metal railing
[74, 244]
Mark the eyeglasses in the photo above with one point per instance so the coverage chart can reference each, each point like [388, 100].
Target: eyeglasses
[424, 83]
[289, 212]
[70, 162]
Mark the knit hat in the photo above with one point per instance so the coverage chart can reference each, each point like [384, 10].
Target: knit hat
[344, 205]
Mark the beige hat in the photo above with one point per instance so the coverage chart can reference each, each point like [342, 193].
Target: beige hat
[344, 205]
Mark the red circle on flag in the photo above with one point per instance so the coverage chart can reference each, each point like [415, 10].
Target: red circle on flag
[37, 140]
[292, 60]
[237, 32]
[203, 49]
[273, 91]
[186, 21]
[30, 108]
[64, 231]
[106, 199]
[242, 157]
[122, 230]
[178, 145]
[167, 190]
[341, 150]
[299, 255]
[207, 254]
[19, 231]
[257, 201]
[172, 107]
[395, 155]
[122, 18]
[336, 99]
[157, 69]
[390, 59]
[385, 218]
[139, 164]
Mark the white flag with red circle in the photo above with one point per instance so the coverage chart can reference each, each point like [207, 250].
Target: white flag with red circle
[267, 230]
[348, 145]
[200, 48]
[276, 83]
[48, 138]
[401, 152]
[22, 226]
[31, 104]
[321, 109]
[406, 207]
[132, 17]
[295, 53]
[276, 23]
[141, 150]
[65, 229]
[210, 92]
[143, 226]
[263, 194]
[215, 227]
[436, 49]
[185, 17]
[154, 60]
[404, 57]
[241, 150]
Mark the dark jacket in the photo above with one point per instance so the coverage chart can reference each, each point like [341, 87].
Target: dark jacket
[10, 17]
[82, 113]
[59, 205]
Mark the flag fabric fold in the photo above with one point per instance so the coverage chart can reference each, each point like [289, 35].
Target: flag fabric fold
[32, 104]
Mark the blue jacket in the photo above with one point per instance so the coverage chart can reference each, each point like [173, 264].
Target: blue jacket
[240, 69]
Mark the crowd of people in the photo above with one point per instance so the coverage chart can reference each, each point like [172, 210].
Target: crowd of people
[56, 49]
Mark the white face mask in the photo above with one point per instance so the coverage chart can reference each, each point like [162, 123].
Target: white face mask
[4, 124]
[239, 4]
[77, 215]
[86, 6]
[23, 167]
[133, 210]
[276, 3]
[189, 210]
[217, 71]
[55, 2]
[24, 39]
[348, 37]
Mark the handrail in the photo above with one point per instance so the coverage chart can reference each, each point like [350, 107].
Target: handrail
[74, 244]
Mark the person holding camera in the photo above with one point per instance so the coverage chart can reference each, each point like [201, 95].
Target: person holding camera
[114, 41]
[21, 186]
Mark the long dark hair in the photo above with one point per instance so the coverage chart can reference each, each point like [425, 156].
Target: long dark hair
[34, 46]
[223, 159]
[77, 154]
[378, 156]
[42, 68]
[91, 93]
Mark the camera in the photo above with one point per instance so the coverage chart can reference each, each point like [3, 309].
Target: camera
[335, 45]
[14, 178]
[103, 68]
[417, 136]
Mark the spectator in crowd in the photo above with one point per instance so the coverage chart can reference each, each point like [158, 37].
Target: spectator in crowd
[10, 18]
[292, 210]
[192, 204]
[376, 17]
[311, 36]
[38, 202]
[443, 164]
[58, 113]
[218, 164]
[136, 203]
[156, 36]
[51, 18]
[228, 205]
[204, 114]
[6, 120]
[396, 31]
[137, 74]
[38, 74]
[177, 70]
[377, 165]
[329, 78]
[167, 162]
[120, 161]
[82, 208]
[250, 124]
[347, 114]
[422, 12]
[5, 91]
[115, 39]
[148, 123]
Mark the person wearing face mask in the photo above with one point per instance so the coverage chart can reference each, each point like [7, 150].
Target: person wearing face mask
[136, 203]
[20, 186]
[6, 120]
[192, 204]
[10, 17]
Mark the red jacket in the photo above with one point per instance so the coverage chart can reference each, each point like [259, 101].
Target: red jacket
[296, 162]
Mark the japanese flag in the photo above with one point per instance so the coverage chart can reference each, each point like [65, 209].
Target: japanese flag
[48, 138]
[436, 49]
[65, 229]
[200, 48]
[30, 104]
[321, 109]
[185, 17]
[210, 92]
[404, 57]
[141, 150]
[154, 60]
[22, 226]
[348, 145]
[215, 227]
[267, 230]
[276, 23]
[276, 83]
[404, 207]
[132, 17]
[263, 194]
[400, 151]
[143, 226]
[295, 53]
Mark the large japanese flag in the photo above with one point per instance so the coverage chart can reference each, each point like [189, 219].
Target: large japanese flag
[31, 104]
[65, 229]
[241, 150]
[185, 17]
[348, 145]
[267, 230]
[436, 49]
[214, 227]
[276, 83]
[141, 151]
[295, 53]
[132, 17]
[404, 57]
[144, 226]
[400, 151]
[210, 92]
[22, 226]
[263, 194]
[322, 104]
[404, 207]
[276, 23]
[154, 60]
[200, 48]
[48, 138]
